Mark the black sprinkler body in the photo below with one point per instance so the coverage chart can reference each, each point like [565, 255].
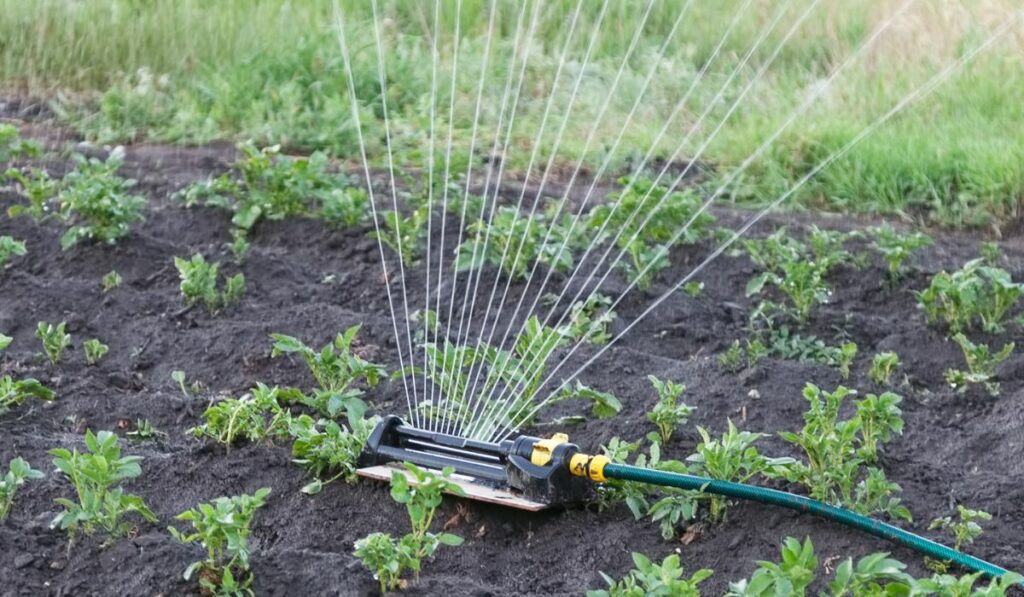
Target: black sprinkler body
[528, 472]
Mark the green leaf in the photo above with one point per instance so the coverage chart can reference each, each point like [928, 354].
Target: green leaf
[450, 539]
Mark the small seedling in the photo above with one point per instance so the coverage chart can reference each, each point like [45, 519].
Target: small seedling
[239, 245]
[991, 253]
[5, 341]
[179, 377]
[13, 147]
[981, 365]
[254, 416]
[693, 288]
[96, 476]
[96, 201]
[54, 339]
[94, 351]
[669, 412]
[591, 319]
[896, 247]
[847, 352]
[110, 281]
[10, 248]
[649, 578]
[145, 431]
[222, 527]
[732, 359]
[883, 365]
[14, 393]
[389, 558]
[199, 283]
[733, 457]
[18, 471]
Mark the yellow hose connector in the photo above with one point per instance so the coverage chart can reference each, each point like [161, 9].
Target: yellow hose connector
[592, 467]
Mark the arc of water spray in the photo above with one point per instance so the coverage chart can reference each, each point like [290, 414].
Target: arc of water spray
[908, 99]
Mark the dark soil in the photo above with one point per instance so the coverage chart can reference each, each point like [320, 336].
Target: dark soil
[955, 449]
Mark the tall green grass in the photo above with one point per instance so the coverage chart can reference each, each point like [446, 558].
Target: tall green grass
[195, 70]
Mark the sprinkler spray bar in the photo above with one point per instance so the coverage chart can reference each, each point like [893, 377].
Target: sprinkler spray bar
[533, 473]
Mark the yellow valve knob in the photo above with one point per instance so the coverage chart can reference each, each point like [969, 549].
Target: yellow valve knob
[543, 449]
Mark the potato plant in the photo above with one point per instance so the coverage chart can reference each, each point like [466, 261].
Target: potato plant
[733, 457]
[513, 242]
[327, 450]
[590, 319]
[975, 296]
[390, 558]
[883, 365]
[55, 340]
[36, 186]
[649, 578]
[837, 452]
[404, 234]
[964, 528]
[110, 281]
[981, 365]
[15, 392]
[254, 416]
[896, 247]
[199, 283]
[13, 147]
[97, 203]
[11, 248]
[222, 527]
[18, 470]
[668, 413]
[96, 476]
[337, 368]
[94, 351]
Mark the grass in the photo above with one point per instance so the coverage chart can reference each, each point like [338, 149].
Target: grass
[270, 70]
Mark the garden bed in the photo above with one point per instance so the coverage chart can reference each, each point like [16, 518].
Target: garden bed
[310, 281]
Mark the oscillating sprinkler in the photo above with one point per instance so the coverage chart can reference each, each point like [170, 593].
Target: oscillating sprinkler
[532, 473]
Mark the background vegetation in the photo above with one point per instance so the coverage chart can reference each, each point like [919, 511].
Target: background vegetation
[270, 70]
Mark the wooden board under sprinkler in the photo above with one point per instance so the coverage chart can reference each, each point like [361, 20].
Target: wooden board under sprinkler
[473, 491]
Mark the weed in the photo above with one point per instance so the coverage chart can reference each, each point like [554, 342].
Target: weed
[110, 281]
[222, 527]
[254, 416]
[591, 319]
[981, 365]
[975, 292]
[94, 351]
[733, 457]
[144, 431]
[991, 253]
[14, 393]
[896, 247]
[883, 365]
[388, 558]
[836, 451]
[179, 377]
[5, 341]
[96, 201]
[649, 578]
[38, 188]
[54, 339]
[96, 475]
[10, 248]
[336, 368]
[668, 413]
[18, 471]
[782, 343]
[199, 283]
[673, 508]
[326, 449]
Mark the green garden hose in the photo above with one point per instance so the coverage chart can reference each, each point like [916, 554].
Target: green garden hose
[802, 504]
